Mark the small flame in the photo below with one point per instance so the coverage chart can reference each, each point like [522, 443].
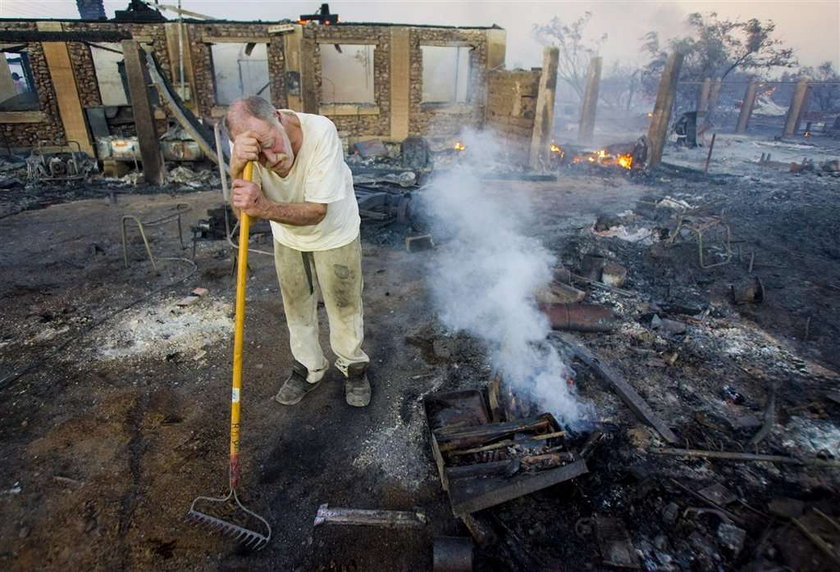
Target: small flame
[458, 146]
[604, 157]
[557, 150]
[626, 161]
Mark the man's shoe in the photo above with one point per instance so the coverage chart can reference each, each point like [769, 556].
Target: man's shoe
[357, 385]
[295, 387]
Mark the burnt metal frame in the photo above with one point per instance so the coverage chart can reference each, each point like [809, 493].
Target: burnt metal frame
[181, 208]
[699, 229]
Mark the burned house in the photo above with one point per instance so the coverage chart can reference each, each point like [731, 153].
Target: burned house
[64, 84]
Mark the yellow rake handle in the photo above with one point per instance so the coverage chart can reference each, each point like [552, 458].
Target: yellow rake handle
[239, 334]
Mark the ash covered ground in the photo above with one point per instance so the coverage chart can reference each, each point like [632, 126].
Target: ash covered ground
[115, 412]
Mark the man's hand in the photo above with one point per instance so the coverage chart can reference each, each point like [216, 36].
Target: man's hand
[246, 147]
[248, 198]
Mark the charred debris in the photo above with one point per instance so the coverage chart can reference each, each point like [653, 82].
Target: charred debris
[701, 323]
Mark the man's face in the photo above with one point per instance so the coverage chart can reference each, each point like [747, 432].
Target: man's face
[275, 148]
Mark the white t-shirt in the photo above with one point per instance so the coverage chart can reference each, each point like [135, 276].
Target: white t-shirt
[318, 175]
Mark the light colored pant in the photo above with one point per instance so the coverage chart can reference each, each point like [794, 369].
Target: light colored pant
[336, 274]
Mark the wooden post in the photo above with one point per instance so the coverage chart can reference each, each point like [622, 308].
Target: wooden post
[714, 93]
[658, 129]
[703, 99]
[310, 99]
[144, 118]
[796, 109]
[589, 105]
[292, 50]
[747, 106]
[709, 156]
[400, 83]
[544, 116]
[67, 95]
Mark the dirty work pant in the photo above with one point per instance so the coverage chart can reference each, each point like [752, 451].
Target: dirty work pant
[337, 275]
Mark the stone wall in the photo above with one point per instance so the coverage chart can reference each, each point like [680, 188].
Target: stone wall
[511, 104]
[435, 120]
[85, 73]
[357, 124]
[50, 130]
[202, 59]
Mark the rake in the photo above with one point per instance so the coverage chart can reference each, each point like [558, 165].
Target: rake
[227, 514]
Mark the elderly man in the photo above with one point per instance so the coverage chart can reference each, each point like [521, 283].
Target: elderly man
[304, 187]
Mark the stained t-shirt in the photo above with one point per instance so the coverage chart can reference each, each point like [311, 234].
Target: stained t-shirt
[318, 175]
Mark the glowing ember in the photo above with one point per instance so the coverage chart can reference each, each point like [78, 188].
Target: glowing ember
[458, 146]
[625, 161]
[604, 157]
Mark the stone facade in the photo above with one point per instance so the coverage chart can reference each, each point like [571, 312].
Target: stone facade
[236, 32]
[50, 129]
[512, 102]
[502, 100]
[511, 108]
[355, 125]
[434, 120]
[85, 74]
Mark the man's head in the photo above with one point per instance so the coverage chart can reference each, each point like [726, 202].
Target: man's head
[258, 117]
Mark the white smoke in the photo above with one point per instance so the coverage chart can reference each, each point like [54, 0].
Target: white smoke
[485, 273]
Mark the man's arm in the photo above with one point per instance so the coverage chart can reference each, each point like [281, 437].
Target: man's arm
[247, 197]
[295, 214]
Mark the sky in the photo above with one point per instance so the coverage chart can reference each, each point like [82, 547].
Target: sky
[811, 27]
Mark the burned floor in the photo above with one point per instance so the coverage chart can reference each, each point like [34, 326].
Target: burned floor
[710, 367]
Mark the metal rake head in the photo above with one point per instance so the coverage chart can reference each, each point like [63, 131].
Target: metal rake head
[247, 536]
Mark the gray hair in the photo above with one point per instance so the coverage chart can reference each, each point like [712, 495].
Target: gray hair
[253, 106]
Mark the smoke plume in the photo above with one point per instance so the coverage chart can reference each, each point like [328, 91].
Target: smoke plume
[485, 272]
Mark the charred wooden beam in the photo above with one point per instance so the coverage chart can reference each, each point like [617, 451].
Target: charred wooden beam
[589, 106]
[544, 114]
[478, 470]
[450, 438]
[660, 120]
[747, 107]
[477, 494]
[736, 456]
[58, 36]
[144, 119]
[621, 386]
[797, 108]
